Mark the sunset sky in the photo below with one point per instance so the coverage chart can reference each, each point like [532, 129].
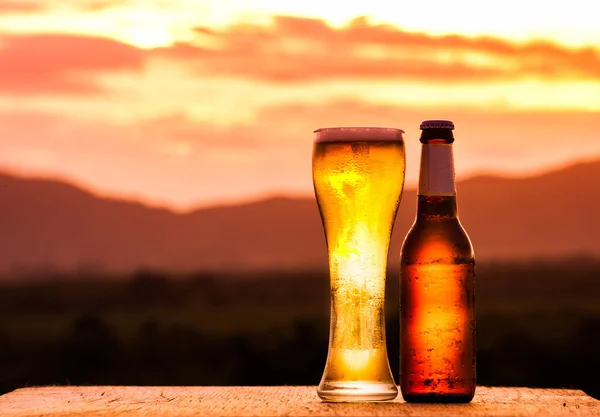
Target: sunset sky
[191, 103]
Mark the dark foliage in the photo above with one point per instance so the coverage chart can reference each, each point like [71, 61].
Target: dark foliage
[538, 325]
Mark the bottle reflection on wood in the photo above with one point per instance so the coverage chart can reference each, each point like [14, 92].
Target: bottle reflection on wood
[437, 285]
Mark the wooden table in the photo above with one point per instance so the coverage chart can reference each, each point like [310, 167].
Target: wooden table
[277, 401]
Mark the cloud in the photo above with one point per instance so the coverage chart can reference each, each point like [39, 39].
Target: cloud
[291, 51]
[61, 63]
[99, 5]
[296, 49]
[32, 6]
[21, 6]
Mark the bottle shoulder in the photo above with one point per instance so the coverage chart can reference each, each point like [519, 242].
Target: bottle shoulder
[437, 240]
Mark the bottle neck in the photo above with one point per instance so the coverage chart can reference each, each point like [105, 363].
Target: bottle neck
[437, 207]
[437, 170]
[437, 187]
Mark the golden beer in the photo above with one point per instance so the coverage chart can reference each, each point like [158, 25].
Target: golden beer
[358, 176]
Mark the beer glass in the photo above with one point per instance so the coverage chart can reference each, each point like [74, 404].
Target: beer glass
[358, 176]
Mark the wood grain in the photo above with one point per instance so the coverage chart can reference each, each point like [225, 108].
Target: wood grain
[277, 401]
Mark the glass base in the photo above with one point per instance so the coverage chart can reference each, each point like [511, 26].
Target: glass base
[357, 391]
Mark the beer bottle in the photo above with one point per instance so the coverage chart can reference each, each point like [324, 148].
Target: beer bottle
[437, 285]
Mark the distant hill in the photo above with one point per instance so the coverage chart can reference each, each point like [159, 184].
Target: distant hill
[46, 224]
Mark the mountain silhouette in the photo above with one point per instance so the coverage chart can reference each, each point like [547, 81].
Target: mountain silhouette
[50, 225]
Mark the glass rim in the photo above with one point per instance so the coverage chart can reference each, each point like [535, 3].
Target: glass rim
[358, 129]
[358, 133]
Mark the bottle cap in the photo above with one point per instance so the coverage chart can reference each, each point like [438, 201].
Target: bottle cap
[437, 124]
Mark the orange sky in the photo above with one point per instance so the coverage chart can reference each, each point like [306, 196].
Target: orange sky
[189, 103]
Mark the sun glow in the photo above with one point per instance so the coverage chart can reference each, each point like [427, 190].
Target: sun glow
[511, 19]
[147, 36]
[146, 24]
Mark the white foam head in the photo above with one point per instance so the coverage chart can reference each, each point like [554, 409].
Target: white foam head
[356, 134]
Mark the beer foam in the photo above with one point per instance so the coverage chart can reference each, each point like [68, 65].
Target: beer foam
[355, 134]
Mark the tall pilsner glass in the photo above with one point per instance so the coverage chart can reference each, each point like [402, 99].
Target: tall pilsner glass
[358, 175]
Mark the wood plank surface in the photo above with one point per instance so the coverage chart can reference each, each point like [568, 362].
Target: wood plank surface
[277, 401]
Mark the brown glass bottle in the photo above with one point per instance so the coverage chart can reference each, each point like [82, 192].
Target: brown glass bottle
[437, 285]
